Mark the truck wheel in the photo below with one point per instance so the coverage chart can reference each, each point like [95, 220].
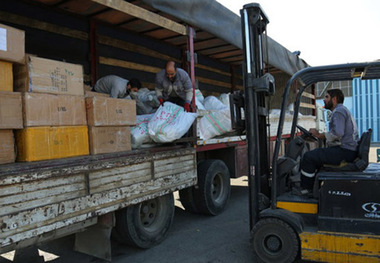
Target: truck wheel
[146, 224]
[213, 191]
[274, 241]
[187, 199]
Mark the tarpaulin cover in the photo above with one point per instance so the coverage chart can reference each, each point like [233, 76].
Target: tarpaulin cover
[214, 18]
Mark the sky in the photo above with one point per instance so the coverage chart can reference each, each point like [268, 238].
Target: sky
[325, 31]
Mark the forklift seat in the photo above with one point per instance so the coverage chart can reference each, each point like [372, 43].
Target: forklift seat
[361, 161]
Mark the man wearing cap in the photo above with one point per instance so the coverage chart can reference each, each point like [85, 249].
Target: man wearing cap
[116, 86]
[174, 85]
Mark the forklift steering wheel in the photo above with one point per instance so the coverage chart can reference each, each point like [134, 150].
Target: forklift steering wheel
[307, 133]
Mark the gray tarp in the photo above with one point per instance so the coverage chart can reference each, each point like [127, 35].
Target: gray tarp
[212, 17]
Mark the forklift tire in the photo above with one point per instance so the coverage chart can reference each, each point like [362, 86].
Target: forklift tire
[274, 241]
[213, 191]
[146, 224]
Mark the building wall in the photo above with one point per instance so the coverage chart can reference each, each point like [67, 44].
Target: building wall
[366, 103]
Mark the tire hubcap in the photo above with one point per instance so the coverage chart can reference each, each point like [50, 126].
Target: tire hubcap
[148, 212]
[217, 188]
[272, 244]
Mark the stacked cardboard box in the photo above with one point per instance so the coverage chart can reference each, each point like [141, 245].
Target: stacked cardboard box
[54, 114]
[12, 50]
[109, 121]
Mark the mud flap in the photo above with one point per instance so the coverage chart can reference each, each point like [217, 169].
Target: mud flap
[96, 240]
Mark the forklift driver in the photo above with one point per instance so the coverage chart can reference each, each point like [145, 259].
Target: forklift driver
[341, 139]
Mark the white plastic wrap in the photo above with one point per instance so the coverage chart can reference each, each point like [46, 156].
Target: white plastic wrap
[169, 123]
[213, 103]
[215, 123]
[146, 101]
[139, 133]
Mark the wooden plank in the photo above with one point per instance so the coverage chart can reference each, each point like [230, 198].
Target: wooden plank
[124, 171]
[144, 14]
[7, 190]
[126, 64]
[40, 194]
[214, 82]
[37, 24]
[165, 162]
[104, 40]
[109, 183]
[307, 105]
[15, 208]
[308, 95]
[213, 70]
[174, 169]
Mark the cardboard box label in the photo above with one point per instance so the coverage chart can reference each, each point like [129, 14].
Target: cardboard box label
[3, 39]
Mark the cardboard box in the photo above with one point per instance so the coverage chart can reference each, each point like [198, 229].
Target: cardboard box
[109, 139]
[7, 147]
[42, 109]
[6, 76]
[12, 44]
[48, 76]
[43, 143]
[89, 94]
[106, 111]
[10, 110]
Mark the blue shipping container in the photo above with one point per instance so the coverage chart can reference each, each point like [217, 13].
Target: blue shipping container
[366, 103]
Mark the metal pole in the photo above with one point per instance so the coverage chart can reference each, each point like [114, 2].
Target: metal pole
[253, 22]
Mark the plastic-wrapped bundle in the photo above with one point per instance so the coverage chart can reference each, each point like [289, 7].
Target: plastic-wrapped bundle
[213, 103]
[146, 101]
[170, 122]
[215, 123]
[199, 95]
[139, 133]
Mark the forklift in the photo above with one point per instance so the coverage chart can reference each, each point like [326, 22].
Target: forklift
[340, 221]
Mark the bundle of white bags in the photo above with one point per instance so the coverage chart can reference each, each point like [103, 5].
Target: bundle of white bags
[170, 122]
[217, 121]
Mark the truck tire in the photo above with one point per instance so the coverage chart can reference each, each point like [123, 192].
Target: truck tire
[274, 241]
[213, 191]
[187, 199]
[146, 224]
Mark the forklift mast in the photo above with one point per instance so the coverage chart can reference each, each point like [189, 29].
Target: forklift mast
[258, 86]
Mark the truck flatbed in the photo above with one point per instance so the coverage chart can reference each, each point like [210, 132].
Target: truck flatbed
[54, 198]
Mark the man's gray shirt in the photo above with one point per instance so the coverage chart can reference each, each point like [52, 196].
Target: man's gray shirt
[342, 128]
[113, 85]
[181, 87]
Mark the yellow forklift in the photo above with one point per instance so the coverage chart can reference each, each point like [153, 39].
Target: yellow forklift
[340, 222]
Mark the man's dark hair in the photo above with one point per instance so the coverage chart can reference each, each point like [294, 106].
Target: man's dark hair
[135, 83]
[336, 93]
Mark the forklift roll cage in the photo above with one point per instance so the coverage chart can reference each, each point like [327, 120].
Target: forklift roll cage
[307, 77]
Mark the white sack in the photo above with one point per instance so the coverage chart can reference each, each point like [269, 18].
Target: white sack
[213, 103]
[170, 122]
[214, 124]
[139, 133]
